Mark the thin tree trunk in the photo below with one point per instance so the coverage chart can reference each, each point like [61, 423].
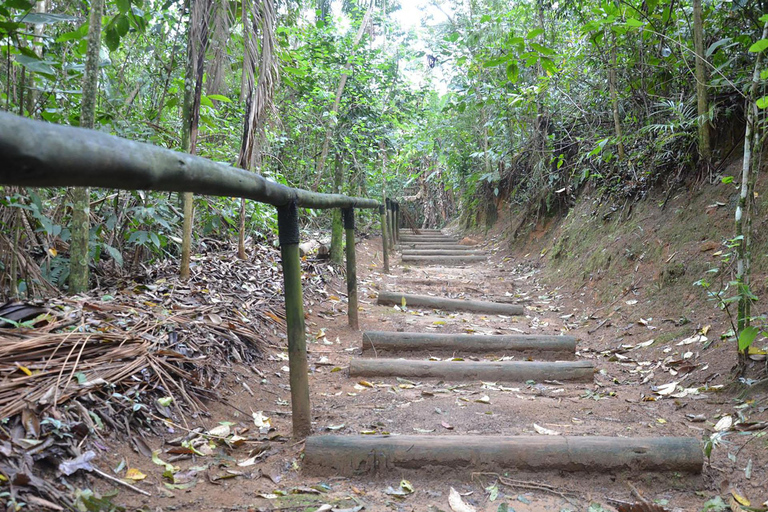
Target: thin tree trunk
[337, 99]
[743, 250]
[705, 152]
[80, 228]
[337, 230]
[197, 42]
[615, 99]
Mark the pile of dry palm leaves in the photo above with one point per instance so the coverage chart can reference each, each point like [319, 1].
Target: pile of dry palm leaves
[132, 355]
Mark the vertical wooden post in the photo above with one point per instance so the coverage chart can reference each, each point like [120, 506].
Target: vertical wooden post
[397, 223]
[349, 227]
[288, 227]
[390, 234]
[384, 240]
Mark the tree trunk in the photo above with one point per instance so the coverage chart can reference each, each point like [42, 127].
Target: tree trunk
[337, 99]
[615, 98]
[80, 227]
[337, 230]
[743, 250]
[705, 152]
[197, 42]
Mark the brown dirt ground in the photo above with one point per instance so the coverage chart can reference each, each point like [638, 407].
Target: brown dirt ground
[614, 405]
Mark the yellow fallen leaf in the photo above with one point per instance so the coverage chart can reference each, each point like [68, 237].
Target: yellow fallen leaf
[704, 330]
[661, 420]
[365, 383]
[24, 369]
[402, 301]
[53, 252]
[741, 499]
[368, 432]
[334, 297]
[134, 474]
[438, 322]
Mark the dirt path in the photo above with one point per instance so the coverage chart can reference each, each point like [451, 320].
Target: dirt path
[619, 403]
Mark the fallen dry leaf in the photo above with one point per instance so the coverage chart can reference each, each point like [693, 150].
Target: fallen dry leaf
[457, 504]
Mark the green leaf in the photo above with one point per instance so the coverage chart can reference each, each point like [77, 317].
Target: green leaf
[112, 38]
[548, 65]
[122, 25]
[45, 18]
[123, 5]
[496, 61]
[632, 22]
[764, 18]
[542, 49]
[219, 97]
[74, 35]
[513, 72]
[115, 254]
[19, 4]
[762, 102]
[36, 65]
[452, 37]
[727, 179]
[747, 336]
[205, 101]
[759, 46]
[535, 32]
[764, 74]
[717, 44]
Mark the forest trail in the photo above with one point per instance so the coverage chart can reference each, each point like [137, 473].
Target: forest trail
[610, 405]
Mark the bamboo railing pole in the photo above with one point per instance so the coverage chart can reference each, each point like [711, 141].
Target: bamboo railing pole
[288, 226]
[384, 239]
[349, 227]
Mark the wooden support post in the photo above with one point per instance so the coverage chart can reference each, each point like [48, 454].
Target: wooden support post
[397, 221]
[384, 238]
[288, 226]
[349, 227]
[391, 223]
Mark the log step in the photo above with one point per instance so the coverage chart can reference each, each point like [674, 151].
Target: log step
[506, 371]
[534, 345]
[359, 454]
[440, 252]
[442, 260]
[422, 238]
[431, 245]
[475, 306]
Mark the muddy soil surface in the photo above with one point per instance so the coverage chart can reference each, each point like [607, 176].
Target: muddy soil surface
[620, 402]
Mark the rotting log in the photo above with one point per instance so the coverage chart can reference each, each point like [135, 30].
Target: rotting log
[442, 260]
[38, 154]
[288, 233]
[349, 228]
[475, 306]
[359, 454]
[441, 252]
[506, 371]
[537, 345]
[384, 239]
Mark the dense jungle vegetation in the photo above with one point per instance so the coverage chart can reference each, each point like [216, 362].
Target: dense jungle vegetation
[481, 105]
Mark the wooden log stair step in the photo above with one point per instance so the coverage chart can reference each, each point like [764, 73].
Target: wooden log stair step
[536, 346]
[437, 239]
[361, 454]
[474, 306]
[442, 260]
[432, 245]
[441, 252]
[487, 371]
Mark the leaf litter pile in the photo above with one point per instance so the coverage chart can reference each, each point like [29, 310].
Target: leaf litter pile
[143, 356]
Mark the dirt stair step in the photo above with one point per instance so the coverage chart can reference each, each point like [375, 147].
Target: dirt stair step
[424, 238]
[427, 301]
[503, 371]
[536, 346]
[438, 246]
[360, 454]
